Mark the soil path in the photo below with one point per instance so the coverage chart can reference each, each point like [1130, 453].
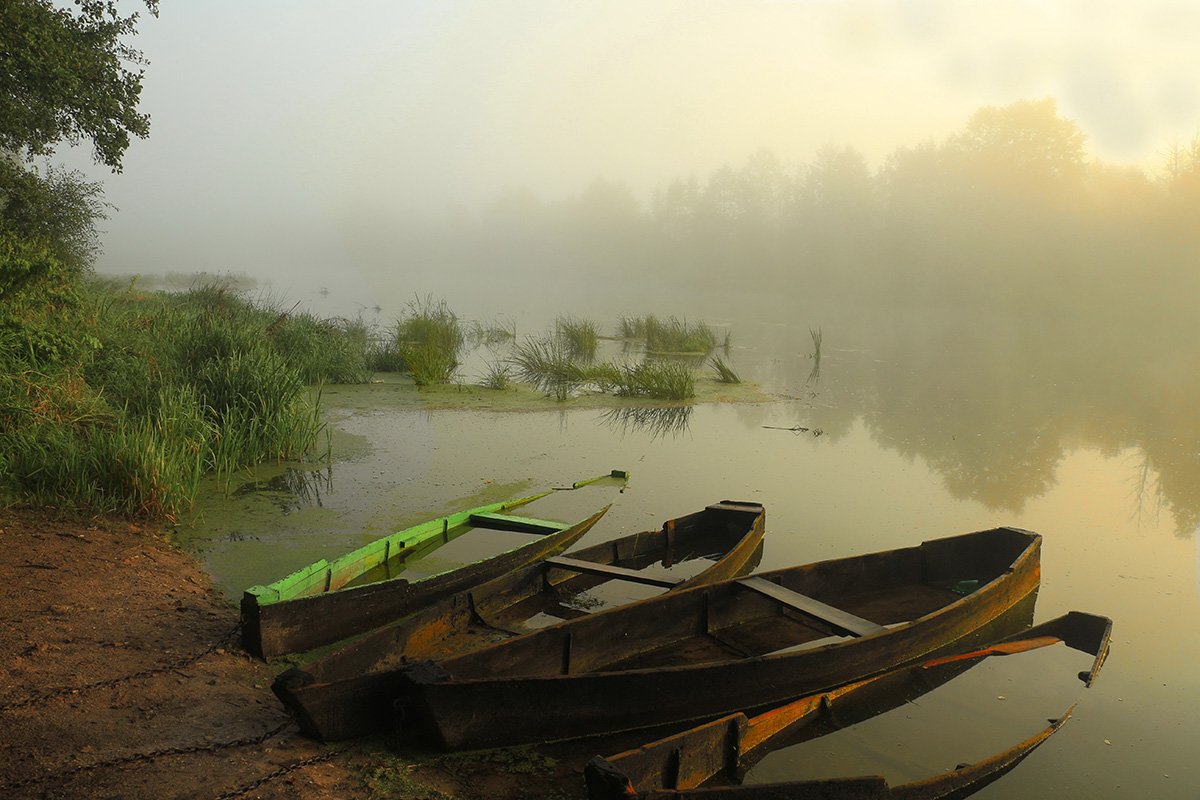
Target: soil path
[109, 603]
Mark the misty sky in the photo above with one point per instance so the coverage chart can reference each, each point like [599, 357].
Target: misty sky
[273, 123]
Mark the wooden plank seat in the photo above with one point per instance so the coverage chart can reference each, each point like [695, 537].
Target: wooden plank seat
[647, 576]
[842, 621]
[509, 522]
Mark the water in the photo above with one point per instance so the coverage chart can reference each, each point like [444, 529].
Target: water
[918, 428]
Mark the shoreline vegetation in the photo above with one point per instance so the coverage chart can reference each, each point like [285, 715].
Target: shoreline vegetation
[118, 400]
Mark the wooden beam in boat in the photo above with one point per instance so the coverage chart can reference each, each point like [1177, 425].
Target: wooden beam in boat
[839, 619]
[509, 522]
[646, 576]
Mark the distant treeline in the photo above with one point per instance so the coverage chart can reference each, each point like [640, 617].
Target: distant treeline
[1011, 210]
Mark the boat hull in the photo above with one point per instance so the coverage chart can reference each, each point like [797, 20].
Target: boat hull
[349, 692]
[568, 681]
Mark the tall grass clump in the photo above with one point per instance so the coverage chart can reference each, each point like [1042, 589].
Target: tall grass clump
[631, 327]
[498, 376]
[674, 335]
[429, 341]
[659, 380]
[579, 335]
[130, 397]
[545, 362]
[725, 373]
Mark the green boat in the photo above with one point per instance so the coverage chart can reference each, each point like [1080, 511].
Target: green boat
[329, 601]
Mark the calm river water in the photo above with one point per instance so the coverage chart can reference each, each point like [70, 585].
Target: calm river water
[917, 430]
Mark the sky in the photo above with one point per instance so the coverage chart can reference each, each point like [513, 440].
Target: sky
[274, 124]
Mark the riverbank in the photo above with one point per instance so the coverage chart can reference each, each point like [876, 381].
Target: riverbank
[116, 645]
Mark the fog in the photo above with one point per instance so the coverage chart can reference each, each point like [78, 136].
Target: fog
[373, 145]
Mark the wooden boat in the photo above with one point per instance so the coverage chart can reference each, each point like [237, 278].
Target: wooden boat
[348, 692]
[329, 601]
[701, 652]
[672, 767]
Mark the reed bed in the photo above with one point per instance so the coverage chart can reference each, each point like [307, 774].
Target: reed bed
[548, 363]
[149, 392]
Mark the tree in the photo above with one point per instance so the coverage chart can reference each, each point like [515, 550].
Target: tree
[1024, 149]
[70, 76]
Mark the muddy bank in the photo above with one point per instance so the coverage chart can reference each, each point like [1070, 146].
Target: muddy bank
[120, 677]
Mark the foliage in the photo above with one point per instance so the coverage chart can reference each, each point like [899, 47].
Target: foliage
[546, 363]
[549, 365]
[498, 375]
[580, 335]
[429, 340]
[149, 392]
[725, 373]
[67, 76]
[678, 336]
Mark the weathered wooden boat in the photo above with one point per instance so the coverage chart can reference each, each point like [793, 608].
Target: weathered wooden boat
[959, 783]
[701, 652]
[673, 767]
[328, 601]
[348, 692]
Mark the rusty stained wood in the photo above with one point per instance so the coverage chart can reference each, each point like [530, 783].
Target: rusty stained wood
[656, 661]
[349, 692]
[728, 746]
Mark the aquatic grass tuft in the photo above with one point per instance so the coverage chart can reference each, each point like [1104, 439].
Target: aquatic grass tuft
[580, 335]
[145, 392]
[815, 333]
[545, 362]
[498, 375]
[725, 373]
[660, 380]
[429, 341]
[631, 327]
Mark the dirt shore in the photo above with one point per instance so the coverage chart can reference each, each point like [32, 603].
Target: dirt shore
[115, 645]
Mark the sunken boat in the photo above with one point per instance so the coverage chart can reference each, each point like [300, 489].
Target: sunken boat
[705, 651]
[688, 764]
[348, 692]
[329, 601]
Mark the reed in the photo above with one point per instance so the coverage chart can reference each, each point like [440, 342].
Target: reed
[659, 380]
[429, 341]
[151, 391]
[498, 376]
[579, 335]
[725, 373]
[674, 335]
[545, 362]
[631, 328]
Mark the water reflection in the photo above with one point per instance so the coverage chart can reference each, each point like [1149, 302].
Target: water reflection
[658, 421]
[292, 490]
[994, 404]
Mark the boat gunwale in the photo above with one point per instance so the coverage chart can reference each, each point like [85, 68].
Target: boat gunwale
[1031, 550]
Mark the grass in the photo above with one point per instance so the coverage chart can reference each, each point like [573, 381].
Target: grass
[815, 334]
[142, 394]
[725, 373]
[546, 363]
[671, 335]
[579, 335]
[429, 341]
[498, 376]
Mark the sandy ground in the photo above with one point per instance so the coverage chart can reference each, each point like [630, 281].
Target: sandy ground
[86, 602]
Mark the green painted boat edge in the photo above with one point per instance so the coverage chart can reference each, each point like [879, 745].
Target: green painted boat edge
[298, 584]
